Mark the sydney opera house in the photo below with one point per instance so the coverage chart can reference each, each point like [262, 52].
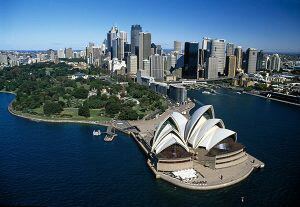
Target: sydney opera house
[179, 142]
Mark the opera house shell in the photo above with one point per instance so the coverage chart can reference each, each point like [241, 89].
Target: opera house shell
[178, 141]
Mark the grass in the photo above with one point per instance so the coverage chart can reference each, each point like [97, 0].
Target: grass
[71, 112]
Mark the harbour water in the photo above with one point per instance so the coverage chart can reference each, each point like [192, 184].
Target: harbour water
[48, 164]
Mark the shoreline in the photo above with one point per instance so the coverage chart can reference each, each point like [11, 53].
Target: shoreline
[9, 108]
[274, 99]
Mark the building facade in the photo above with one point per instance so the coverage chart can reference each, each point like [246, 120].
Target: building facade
[251, 58]
[157, 67]
[144, 47]
[135, 31]
[191, 60]
[218, 50]
[230, 66]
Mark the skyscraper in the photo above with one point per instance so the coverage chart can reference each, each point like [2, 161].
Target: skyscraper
[229, 49]
[61, 53]
[211, 71]
[191, 60]
[122, 39]
[230, 66]
[275, 62]
[251, 57]
[159, 50]
[170, 62]
[218, 50]
[157, 67]
[69, 53]
[177, 46]
[146, 68]
[206, 43]
[239, 57]
[260, 61]
[132, 64]
[135, 31]
[51, 54]
[112, 35]
[144, 47]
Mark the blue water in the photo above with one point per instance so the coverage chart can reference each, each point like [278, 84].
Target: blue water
[44, 164]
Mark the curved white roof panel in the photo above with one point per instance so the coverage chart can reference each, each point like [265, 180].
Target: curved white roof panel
[196, 116]
[180, 121]
[195, 138]
[169, 140]
[215, 136]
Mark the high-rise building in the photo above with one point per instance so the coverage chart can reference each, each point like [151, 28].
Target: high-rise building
[218, 50]
[206, 43]
[146, 67]
[157, 67]
[135, 31]
[159, 50]
[170, 62]
[177, 46]
[114, 48]
[132, 65]
[229, 49]
[144, 47]
[51, 54]
[230, 66]
[260, 64]
[111, 36]
[69, 53]
[153, 49]
[275, 62]
[239, 57]
[191, 60]
[61, 53]
[211, 71]
[251, 57]
[122, 39]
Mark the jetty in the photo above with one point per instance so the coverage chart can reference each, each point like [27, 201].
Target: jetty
[109, 134]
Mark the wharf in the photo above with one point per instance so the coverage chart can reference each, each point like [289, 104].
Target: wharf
[109, 134]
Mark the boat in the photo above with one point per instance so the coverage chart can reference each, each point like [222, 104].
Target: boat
[97, 132]
[238, 92]
[205, 92]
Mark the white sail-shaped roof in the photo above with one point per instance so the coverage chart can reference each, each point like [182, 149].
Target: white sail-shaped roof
[196, 117]
[198, 131]
[214, 136]
[179, 121]
[169, 140]
[196, 137]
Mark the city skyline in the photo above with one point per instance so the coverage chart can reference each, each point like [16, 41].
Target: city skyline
[59, 24]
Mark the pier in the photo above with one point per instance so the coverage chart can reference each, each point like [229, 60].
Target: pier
[109, 134]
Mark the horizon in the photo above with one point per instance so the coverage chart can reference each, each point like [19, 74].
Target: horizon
[34, 25]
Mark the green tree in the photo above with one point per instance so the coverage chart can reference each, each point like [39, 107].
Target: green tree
[80, 93]
[84, 111]
[51, 108]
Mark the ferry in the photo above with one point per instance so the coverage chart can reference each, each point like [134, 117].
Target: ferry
[97, 132]
[205, 92]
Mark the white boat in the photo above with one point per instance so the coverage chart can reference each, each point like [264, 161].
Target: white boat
[238, 92]
[205, 92]
[97, 132]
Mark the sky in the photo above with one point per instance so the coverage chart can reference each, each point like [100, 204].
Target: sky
[270, 25]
